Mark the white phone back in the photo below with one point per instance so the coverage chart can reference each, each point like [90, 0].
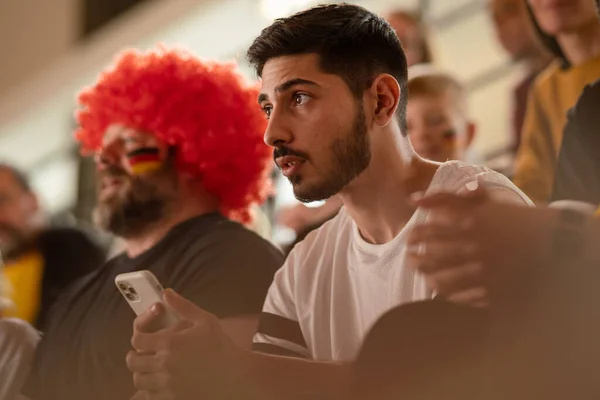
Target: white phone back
[141, 290]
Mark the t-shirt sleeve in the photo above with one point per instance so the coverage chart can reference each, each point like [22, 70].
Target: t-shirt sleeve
[237, 270]
[279, 331]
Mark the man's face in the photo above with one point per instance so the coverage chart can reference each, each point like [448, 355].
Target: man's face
[557, 17]
[316, 126]
[17, 210]
[435, 128]
[513, 27]
[136, 181]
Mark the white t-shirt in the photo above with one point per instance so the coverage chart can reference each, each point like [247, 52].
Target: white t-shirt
[334, 285]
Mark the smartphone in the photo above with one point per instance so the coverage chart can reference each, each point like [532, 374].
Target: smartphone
[141, 290]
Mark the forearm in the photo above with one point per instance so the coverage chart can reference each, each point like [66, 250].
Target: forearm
[269, 377]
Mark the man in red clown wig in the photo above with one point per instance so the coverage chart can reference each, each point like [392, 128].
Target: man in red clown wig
[180, 155]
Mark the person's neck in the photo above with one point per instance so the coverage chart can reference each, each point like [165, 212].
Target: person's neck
[582, 45]
[379, 199]
[537, 62]
[178, 213]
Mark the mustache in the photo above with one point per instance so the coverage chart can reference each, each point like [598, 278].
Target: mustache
[282, 151]
[113, 172]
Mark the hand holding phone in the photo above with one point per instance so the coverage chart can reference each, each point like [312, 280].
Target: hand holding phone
[141, 290]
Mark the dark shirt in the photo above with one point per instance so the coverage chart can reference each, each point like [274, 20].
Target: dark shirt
[578, 170]
[68, 255]
[218, 264]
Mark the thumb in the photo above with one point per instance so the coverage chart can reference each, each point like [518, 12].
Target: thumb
[184, 308]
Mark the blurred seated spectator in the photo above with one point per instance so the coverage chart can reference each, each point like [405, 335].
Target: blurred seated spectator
[517, 36]
[171, 172]
[40, 261]
[571, 31]
[413, 35]
[437, 115]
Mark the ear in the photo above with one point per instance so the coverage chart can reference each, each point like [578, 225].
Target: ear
[385, 95]
[471, 134]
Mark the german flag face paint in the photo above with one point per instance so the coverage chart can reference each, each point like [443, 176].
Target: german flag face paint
[145, 160]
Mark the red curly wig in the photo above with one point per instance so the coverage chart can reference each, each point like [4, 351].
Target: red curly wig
[204, 108]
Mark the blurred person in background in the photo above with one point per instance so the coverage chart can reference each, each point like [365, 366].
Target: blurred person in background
[516, 34]
[40, 261]
[180, 154]
[413, 35]
[437, 115]
[578, 170]
[570, 30]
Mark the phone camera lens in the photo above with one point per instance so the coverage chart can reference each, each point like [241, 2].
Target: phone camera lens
[132, 291]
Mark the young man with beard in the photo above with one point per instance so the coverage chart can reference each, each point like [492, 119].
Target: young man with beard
[334, 91]
[178, 146]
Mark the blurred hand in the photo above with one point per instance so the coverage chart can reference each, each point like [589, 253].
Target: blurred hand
[472, 243]
[193, 359]
[442, 248]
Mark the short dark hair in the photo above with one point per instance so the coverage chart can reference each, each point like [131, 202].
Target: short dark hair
[19, 176]
[351, 42]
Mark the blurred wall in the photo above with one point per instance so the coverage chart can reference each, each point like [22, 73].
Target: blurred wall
[33, 33]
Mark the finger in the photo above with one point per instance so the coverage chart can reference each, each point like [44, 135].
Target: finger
[439, 231]
[154, 382]
[453, 200]
[452, 280]
[184, 308]
[146, 321]
[438, 256]
[146, 395]
[141, 395]
[144, 363]
[151, 342]
[476, 296]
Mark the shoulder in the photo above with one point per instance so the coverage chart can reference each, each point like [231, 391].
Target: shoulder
[225, 239]
[64, 247]
[454, 176]
[313, 254]
[66, 237]
[547, 77]
[587, 104]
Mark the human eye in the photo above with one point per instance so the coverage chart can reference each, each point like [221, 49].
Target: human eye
[267, 109]
[300, 98]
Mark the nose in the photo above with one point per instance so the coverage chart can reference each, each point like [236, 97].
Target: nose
[105, 157]
[278, 131]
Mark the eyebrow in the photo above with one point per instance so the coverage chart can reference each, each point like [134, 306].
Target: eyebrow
[286, 86]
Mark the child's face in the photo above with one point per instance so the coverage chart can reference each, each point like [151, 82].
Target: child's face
[436, 129]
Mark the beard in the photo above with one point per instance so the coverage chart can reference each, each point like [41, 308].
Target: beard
[351, 155]
[140, 202]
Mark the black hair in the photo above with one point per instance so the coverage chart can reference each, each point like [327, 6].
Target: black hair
[350, 41]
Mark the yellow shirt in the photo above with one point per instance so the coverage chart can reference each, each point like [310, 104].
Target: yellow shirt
[24, 277]
[555, 91]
